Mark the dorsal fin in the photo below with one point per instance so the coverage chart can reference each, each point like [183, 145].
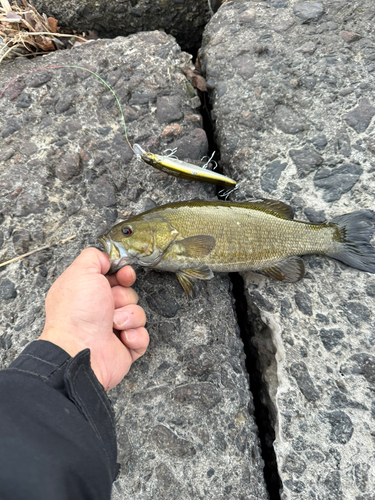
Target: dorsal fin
[278, 207]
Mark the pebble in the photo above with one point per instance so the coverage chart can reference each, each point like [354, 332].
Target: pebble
[304, 381]
[306, 160]
[271, 175]
[7, 289]
[38, 78]
[308, 11]
[21, 241]
[102, 193]
[337, 181]
[349, 36]
[24, 101]
[244, 64]
[169, 109]
[203, 395]
[287, 120]
[163, 303]
[68, 167]
[171, 444]
[331, 338]
[192, 146]
[308, 48]
[12, 125]
[341, 427]
[360, 117]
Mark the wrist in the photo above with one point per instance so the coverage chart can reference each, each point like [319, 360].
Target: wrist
[62, 340]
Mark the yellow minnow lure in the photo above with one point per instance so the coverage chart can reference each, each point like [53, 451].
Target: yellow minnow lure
[182, 169]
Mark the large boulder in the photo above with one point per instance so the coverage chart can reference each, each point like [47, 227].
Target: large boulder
[185, 19]
[184, 413]
[292, 89]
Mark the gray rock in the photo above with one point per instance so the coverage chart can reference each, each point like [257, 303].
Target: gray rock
[168, 441]
[315, 338]
[271, 175]
[331, 338]
[183, 409]
[12, 126]
[306, 160]
[300, 372]
[24, 101]
[68, 167]
[192, 146]
[341, 427]
[184, 20]
[308, 11]
[38, 78]
[304, 303]
[163, 303]
[337, 181]
[343, 145]
[244, 64]
[168, 109]
[315, 216]
[102, 193]
[204, 395]
[21, 241]
[287, 120]
[7, 289]
[360, 117]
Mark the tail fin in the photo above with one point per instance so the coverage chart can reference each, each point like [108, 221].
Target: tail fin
[356, 230]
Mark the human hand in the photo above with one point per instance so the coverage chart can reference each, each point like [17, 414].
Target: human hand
[85, 309]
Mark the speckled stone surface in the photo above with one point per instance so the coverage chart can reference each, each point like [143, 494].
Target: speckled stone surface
[184, 19]
[184, 412]
[292, 87]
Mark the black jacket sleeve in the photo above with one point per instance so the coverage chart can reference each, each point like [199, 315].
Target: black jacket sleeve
[57, 434]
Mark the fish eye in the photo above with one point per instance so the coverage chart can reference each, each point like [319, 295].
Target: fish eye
[127, 231]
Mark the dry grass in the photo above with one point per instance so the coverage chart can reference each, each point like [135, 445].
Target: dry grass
[25, 32]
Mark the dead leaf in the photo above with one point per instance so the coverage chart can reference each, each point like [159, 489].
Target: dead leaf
[44, 43]
[13, 17]
[52, 23]
[29, 18]
[199, 83]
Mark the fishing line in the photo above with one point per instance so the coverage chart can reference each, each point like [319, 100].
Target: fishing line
[84, 69]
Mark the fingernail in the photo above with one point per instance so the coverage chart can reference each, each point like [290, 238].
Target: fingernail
[130, 334]
[120, 318]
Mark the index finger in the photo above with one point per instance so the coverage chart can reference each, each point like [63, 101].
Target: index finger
[124, 277]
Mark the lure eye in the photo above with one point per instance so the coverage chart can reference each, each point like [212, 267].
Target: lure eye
[127, 231]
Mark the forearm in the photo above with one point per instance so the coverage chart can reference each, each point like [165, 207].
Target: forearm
[57, 437]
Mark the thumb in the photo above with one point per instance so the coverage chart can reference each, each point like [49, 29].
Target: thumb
[93, 260]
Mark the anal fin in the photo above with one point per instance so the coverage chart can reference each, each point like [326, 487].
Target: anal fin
[290, 270]
[188, 278]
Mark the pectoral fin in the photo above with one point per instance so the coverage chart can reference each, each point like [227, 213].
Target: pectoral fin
[188, 278]
[196, 246]
[289, 270]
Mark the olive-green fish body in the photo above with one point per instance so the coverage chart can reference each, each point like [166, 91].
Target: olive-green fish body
[196, 238]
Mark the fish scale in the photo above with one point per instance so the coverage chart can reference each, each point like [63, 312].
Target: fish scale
[246, 237]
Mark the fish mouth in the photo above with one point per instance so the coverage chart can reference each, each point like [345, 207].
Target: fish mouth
[110, 248]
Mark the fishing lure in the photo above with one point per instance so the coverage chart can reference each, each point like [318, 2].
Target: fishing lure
[166, 163]
[183, 169]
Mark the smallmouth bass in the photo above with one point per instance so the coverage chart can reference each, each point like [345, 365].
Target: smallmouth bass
[194, 239]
